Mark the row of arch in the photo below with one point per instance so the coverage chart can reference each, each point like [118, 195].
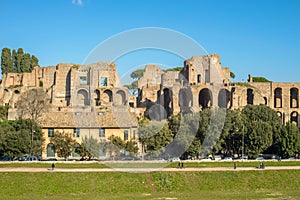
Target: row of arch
[83, 97]
[294, 98]
[293, 117]
[185, 99]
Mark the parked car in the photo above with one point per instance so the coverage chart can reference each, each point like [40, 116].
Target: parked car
[206, 159]
[260, 158]
[228, 159]
[175, 159]
[217, 158]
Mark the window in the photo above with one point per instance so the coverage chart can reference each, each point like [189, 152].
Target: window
[100, 113]
[83, 80]
[51, 132]
[125, 134]
[199, 78]
[131, 104]
[133, 134]
[103, 81]
[101, 132]
[76, 133]
[77, 113]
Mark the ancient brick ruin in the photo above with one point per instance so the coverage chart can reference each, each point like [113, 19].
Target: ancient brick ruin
[92, 100]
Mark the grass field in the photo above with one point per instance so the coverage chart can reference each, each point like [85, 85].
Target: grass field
[153, 185]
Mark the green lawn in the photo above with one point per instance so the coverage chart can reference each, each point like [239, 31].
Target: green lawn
[260, 184]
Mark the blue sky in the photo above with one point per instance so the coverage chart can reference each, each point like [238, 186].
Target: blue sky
[261, 37]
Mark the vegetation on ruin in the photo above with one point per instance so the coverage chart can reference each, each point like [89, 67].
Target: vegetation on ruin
[152, 185]
[232, 75]
[178, 69]
[260, 79]
[133, 86]
[17, 61]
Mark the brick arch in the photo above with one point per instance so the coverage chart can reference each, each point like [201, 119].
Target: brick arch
[168, 101]
[185, 97]
[280, 115]
[205, 98]
[278, 97]
[97, 97]
[224, 97]
[82, 97]
[294, 97]
[120, 98]
[107, 96]
[294, 117]
[250, 96]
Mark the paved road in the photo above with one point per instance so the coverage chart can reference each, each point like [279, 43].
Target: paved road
[22, 169]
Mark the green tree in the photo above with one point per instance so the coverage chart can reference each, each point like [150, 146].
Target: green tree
[17, 138]
[3, 113]
[137, 74]
[290, 140]
[17, 61]
[132, 87]
[131, 147]
[34, 62]
[263, 124]
[63, 144]
[6, 61]
[232, 75]
[18, 66]
[25, 63]
[90, 147]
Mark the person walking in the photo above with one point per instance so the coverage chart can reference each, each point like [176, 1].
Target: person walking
[52, 166]
[234, 165]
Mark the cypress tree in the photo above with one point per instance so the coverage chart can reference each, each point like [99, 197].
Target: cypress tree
[6, 61]
[20, 54]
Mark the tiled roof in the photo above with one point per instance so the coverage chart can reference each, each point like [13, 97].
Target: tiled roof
[111, 118]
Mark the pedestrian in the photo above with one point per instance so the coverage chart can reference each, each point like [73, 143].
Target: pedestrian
[234, 165]
[263, 165]
[53, 166]
[181, 164]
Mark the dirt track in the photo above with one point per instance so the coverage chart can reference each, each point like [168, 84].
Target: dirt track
[22, 169]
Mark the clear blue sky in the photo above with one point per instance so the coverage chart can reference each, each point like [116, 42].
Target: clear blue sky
[261, 37]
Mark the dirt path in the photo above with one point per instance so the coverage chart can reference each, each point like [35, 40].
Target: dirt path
[22, 169]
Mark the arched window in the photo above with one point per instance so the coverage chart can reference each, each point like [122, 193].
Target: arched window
[107, 96]
[294, 98]
[250, 96]
[83, 98]
[185, 100]
[278, 98]
[120, 98]
[281, 116]
[205, 98]
[294, 118]
[223, 98]
[97, 97]
[50, 150]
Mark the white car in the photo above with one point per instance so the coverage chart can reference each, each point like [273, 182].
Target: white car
[217, 158]
[228, 159]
